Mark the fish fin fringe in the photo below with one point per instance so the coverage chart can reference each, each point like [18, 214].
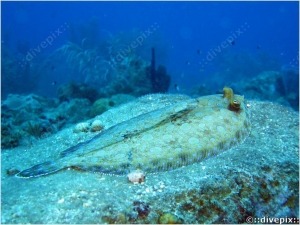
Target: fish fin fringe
[40, 170]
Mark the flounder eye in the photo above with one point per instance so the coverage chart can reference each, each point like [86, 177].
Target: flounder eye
[234, 105]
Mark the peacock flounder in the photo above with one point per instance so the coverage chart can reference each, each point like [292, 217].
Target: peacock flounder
[170, 137]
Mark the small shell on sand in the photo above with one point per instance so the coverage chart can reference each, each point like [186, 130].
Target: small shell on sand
[81, 127]
[97, 126]
[136, 176]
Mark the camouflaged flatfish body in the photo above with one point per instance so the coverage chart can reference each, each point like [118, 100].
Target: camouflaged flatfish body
[180, 134]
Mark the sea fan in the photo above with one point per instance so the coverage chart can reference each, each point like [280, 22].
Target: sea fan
[94, 65]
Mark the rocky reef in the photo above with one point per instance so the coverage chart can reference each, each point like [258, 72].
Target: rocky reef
[26, 118]
[200, 90]
[104, 104]
[269, 86]
[72, 90]
[276, 86]
[111, 72]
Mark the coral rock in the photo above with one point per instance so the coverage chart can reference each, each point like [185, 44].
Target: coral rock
[169, 218]
[100, 106]
[142, 208]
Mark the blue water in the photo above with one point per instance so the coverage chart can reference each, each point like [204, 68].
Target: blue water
[188, 37]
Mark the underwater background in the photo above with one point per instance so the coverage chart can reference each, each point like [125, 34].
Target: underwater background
[85, 53]
[187, 37]
[71, 70]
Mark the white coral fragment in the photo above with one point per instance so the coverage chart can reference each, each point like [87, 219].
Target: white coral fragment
[81, 127]
[97, 126]
[136, 176]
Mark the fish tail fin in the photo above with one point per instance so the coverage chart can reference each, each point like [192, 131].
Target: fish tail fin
[40, 170]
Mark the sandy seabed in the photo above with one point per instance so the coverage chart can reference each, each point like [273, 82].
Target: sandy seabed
[258, 178]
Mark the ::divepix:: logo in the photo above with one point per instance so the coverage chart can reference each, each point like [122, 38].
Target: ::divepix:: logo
[229, 41]
[32, 53]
